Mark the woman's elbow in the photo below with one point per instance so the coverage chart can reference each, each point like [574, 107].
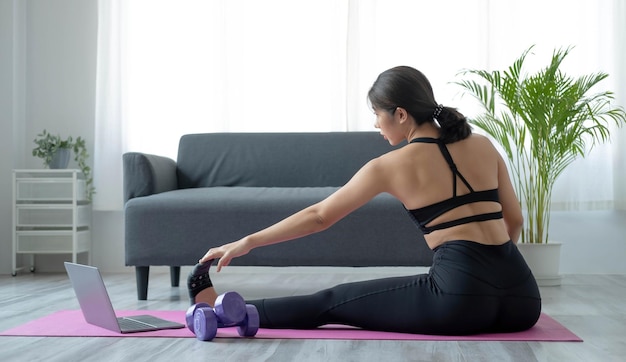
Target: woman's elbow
[517, 221]
[513, 216]
[514, 224]
[322, 222]
[318, 221]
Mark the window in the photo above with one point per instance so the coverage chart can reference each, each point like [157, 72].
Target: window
[171, 67]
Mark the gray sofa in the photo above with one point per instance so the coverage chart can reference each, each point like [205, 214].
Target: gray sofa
[224, 186]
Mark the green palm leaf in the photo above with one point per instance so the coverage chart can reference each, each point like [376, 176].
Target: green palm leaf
[544, 121]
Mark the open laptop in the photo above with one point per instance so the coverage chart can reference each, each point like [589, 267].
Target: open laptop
[97, 308]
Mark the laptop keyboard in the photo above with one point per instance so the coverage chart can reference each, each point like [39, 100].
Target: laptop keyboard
[127, 324]
[146, 322]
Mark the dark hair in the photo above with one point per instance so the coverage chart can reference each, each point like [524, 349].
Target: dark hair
[408, 88]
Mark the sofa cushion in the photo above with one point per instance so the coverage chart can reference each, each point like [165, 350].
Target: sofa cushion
[179, 226]
[275, 159]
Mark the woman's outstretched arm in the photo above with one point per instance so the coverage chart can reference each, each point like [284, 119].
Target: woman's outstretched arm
[368, 182]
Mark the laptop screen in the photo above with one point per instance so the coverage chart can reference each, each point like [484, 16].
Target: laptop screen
[92, 295]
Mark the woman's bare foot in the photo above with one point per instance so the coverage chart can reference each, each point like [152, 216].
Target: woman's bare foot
[200, 286]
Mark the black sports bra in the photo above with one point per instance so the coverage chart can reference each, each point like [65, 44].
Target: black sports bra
[426, 214]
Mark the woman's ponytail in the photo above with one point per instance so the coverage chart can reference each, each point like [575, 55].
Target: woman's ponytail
[453, 124]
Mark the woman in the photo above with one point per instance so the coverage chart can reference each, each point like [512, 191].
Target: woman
[456, 187]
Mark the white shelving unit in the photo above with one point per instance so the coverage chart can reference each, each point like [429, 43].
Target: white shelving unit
[51, 214]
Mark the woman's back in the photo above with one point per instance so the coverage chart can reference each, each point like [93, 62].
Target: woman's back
[423, 177]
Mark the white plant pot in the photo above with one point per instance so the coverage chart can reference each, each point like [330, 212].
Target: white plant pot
[544, 261]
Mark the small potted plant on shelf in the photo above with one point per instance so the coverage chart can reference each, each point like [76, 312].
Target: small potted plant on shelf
[56, 151]
[543, 121]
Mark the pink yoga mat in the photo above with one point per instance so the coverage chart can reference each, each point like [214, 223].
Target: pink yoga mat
[70, 323]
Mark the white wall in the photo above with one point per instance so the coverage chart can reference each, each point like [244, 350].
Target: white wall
[61, 63]
[47, 80]
[6, 128]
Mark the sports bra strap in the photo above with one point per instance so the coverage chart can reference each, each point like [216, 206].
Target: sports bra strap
[427, 214]
[449, 160]
[464, 220]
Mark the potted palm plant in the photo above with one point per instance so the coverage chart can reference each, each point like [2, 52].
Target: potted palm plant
[543, 121]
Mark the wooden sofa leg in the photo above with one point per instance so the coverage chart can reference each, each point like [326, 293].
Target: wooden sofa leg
[142, 274]
[175, 275]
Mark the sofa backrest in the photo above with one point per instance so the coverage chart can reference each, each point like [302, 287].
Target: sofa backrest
[275, 159]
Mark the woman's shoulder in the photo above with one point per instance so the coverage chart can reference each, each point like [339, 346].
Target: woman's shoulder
[476, 137]
[475, 145]
[479, 140]
[390, 160]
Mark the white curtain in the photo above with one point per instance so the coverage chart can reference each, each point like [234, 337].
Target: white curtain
[170, 67]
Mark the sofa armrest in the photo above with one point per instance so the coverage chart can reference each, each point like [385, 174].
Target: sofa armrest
[146, 174]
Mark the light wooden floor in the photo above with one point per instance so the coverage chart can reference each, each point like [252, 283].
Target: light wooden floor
[592, 306]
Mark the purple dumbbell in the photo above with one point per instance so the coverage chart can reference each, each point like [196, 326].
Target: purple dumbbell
[190, 313]
[230, 310]
[250, 325]
[205, 324]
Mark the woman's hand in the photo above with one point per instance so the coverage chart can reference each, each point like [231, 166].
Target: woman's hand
[226, 253]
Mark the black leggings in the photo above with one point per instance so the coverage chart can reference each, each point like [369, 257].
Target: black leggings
[470, 288]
